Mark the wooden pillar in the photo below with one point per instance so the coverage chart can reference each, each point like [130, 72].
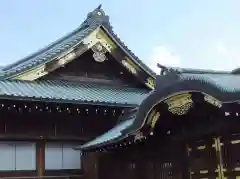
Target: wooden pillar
[90, 162]
[183, 163]
[40, 158]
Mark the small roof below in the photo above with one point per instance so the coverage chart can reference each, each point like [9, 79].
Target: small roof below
[113, 135]
[223, 87]
[71, 92]
[109, 137]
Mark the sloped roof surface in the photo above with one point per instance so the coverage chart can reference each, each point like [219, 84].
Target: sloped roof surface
[73, 92]
[115, 134]
[224, 82]
[48, 53]
[110, 136]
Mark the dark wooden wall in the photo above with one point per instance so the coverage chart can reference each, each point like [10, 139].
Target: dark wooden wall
[49, 128]
[38, 124]
[85, 68]
[41, 127]
[196, 158]
[141, 162]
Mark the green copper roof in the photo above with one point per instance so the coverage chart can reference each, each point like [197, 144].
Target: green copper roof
[74, 92]
[115, 134]
[109, 136]
[224, 82]
[52, 51]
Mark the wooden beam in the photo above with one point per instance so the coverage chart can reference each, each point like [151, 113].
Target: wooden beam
[40, 157]
[219, 155]
[24, 137]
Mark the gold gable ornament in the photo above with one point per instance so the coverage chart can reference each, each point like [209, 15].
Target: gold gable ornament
[150, 82]
[153, 118]
[138, 136]
[213, 101]
[99, 53]
[129, 66]
[179, 104]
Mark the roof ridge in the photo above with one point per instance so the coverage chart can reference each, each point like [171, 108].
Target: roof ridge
[104, 21]
[190, 70]
[130, 53]
[44, 49]
[93, 17]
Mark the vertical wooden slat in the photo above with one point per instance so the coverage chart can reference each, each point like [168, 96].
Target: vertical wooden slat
[40, 158]
[188, 161]
[227, 154]
[219, 158]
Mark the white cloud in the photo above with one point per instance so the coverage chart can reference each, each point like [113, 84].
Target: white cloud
[162, 55]
[221, 48]
[218, 56]
[229, 56]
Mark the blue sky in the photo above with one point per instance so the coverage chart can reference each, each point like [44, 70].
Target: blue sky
[186, 33]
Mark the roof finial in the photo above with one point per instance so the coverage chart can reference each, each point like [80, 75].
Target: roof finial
[99, 6]
[98, 16]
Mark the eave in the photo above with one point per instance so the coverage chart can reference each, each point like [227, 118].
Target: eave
[71, 92]
[66, 52]
[114, 135]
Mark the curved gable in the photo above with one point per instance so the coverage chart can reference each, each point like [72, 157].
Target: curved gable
[95, 29]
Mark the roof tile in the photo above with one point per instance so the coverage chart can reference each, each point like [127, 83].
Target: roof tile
[72, 92]
[112, 134]
[225, 82]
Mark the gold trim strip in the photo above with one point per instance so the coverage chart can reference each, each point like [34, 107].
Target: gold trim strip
[235, 141]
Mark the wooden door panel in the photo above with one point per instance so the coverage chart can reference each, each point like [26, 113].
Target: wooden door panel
[202, 159]
[231, 156]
